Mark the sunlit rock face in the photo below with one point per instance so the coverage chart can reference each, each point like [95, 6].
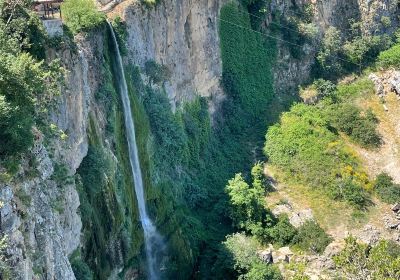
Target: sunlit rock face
[182, 35]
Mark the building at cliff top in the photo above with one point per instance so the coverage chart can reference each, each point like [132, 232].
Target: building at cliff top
[49, 12]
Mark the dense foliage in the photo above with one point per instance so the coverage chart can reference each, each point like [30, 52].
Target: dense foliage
[390, 57]
[81, 15]
[386, 189]
[358, 261]
[306, 147]
[312, 238]
[345, 52]
[238, 259]
[248, 211]
[361, 127]
[26, 83]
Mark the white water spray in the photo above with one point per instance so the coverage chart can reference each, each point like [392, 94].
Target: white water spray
[154, 244]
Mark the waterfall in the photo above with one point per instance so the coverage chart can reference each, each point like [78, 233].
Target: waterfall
[154, 244]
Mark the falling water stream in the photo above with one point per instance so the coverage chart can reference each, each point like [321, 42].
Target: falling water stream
[154, 243]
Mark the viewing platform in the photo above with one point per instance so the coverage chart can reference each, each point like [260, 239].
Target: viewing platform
[49, 11]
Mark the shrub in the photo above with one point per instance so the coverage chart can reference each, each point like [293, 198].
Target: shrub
[81, 269]
[262, 271]
[283, 232]
[361, 128]
[387, 190]
[247, 207]
[354, 194]
[324, 88]
[358, 261]
[390, 57]
[158, 73]
[240, 252]
[81, 15]
[311, 237]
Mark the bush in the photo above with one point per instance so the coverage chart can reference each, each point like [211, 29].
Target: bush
[311, 237]
[247, 207]
[358, 261]
[387, 190]
[81, 269]
[262, 271]
[158, 73]
[283, 232]
[240, 253]
[354, 194]
[390, 57]
[81, 15]
[361, 128]
[324, 88]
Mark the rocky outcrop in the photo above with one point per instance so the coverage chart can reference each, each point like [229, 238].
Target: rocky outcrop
[40, 211]
[183, 36]
[296, 217]
[376, 18]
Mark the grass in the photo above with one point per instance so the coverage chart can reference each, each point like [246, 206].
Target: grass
[335, 217]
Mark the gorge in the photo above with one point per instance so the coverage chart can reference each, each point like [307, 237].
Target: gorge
[200, 139]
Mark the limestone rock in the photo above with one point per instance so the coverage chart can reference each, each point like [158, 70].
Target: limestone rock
[369, 235]
[283, 254]
[266, 255]
[299, 218]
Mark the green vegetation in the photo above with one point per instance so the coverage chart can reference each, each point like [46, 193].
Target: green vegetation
[361, 127]
[312, 238]
[386, 189]
[248, 211]
[304, 145]
[390, 57]
[81, 15]
[27, 84]
[283, 232]
[238, 259]
[157, 73]
[359, 261]
[150, 3]
[339, 55]
[80, 268]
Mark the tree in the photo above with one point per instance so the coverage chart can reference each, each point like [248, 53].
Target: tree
[241, 250]
[330, 50]
[311, 237]
[387, 190]
[81, 15]
[248, 211]
[358, 261]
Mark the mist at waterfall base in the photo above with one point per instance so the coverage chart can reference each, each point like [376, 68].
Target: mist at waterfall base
[154, 243]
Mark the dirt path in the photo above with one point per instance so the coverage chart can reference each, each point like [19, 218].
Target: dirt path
[387, 157]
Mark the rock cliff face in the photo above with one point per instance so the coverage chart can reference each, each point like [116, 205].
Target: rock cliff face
[183, 36]
[40, 211]
[290, 72]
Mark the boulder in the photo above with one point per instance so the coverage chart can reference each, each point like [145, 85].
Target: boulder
[369, 235]
[391, 222]
[282, 209]
[283, 254]
[266, 255]
[380, 90]
[396, 207]
[299, 218]
[395, 82]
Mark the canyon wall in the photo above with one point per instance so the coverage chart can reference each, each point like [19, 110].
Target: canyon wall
[40, 214]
